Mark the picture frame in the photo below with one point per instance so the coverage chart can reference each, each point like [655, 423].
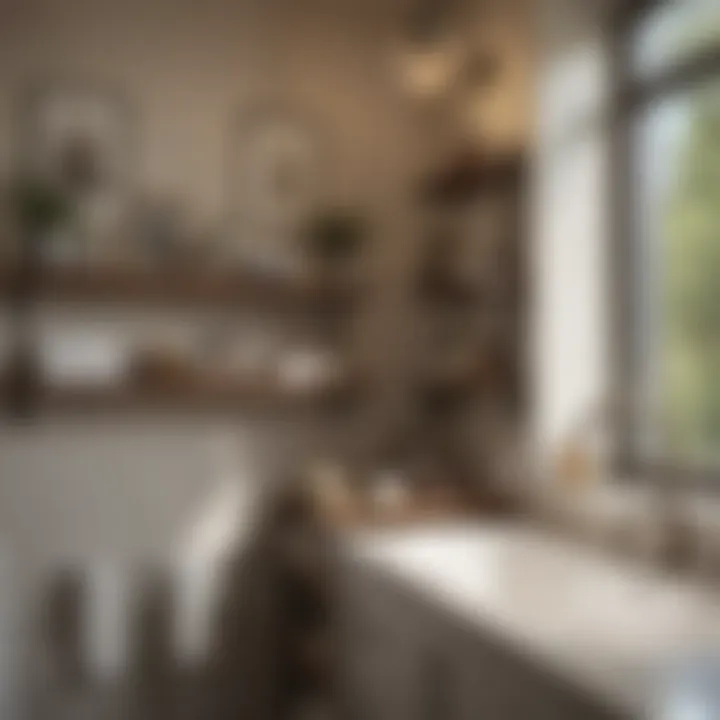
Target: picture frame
[77, 138]
[276, 158]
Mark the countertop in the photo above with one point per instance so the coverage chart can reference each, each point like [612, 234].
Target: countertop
[626, 633]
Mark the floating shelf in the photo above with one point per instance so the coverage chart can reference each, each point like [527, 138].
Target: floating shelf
[133, 285]
[191, 398]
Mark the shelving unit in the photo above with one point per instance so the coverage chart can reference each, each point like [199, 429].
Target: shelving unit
[481, 319]
[444, 298]
[317, 295]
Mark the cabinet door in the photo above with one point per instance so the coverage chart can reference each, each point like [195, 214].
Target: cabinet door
[470, 672]
[438, 672]
[380, 650]
[407, 659]
[497, 682]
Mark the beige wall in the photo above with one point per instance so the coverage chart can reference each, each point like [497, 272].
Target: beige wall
[188, 68]
[123, 489]
[185, 68]
[114, 492]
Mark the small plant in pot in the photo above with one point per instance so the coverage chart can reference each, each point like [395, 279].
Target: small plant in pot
[39, 209]
[334, 237]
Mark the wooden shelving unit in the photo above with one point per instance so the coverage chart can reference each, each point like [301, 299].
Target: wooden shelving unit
[316, 294]
[470, 304]
[467, 181]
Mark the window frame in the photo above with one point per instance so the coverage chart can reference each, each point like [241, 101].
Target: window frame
[629, 96]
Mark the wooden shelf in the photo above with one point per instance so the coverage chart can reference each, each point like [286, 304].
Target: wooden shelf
[227, 397]
[189, 398]
[422, 508]
[134, 285]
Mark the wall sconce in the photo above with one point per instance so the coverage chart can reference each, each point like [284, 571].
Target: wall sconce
[479, 75]
[429, 72]
[431, 57]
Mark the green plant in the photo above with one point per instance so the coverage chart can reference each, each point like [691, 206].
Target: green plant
[39, 206]
[335, 235]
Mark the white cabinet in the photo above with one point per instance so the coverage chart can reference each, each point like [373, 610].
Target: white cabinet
[409, 660]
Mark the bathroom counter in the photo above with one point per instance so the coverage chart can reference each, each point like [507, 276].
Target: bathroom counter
[614, 631]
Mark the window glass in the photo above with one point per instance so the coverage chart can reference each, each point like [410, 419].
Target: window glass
[678, 223]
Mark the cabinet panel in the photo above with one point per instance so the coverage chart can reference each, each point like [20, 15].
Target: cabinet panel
[410, 660]
[496, 681]
[381, 651]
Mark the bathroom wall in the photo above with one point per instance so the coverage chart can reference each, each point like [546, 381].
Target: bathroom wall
[116, 492]
[185, 69]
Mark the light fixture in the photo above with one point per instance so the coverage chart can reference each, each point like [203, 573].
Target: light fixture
[429, 72]
[479, 75]
[431, 56]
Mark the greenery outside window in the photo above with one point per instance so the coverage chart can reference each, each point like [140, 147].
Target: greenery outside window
[671, 75]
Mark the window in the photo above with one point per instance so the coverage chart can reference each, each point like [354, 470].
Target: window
[673, 33]
[672, 68]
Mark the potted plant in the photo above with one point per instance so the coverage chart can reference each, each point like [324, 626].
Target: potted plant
[39, 208]
[334, 236]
